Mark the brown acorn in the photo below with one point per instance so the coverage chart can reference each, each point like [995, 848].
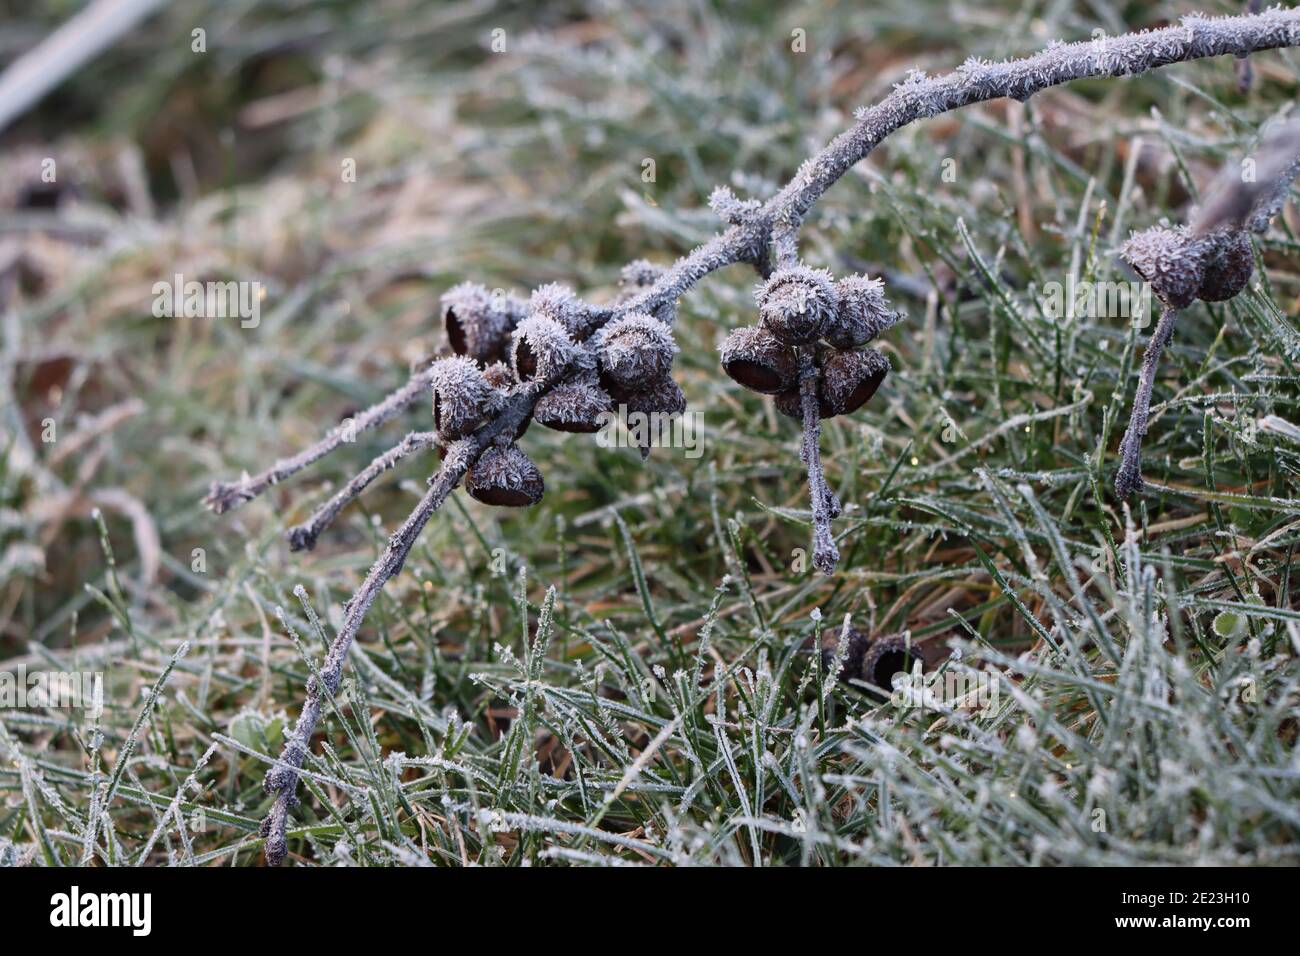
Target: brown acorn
[1170, 259]
[540, 349]
[579, 405]
[462, 397]
[756, 359]
[862, 315]
[478, 322]
[845, 381]
[1228, 268]
[663, 396]
[506, 477]
[797, 303]
[635, 351]
[848, 379]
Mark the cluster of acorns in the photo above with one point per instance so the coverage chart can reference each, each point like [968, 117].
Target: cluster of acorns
[1183, 266]
[799, 306]
[557, 345]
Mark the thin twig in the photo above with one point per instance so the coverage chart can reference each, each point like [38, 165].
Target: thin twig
[225, 495]
[824, 504]
[1128, 479]
[303, 536]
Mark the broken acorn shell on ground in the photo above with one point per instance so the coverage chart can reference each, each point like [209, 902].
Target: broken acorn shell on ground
[506, 477]
[796, 304]
[756, 359]
[578, 405]
[635, 351]
[873, 661]
[888, 656]
[462, 397]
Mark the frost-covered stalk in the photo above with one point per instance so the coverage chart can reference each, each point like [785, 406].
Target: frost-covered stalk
[1128, 480]
[825, 506]
[756, 230]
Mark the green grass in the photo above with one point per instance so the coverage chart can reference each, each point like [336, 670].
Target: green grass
[622, 674]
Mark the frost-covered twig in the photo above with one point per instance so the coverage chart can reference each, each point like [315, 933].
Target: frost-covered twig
[1129, 477]
[225, 495]
[303, 536]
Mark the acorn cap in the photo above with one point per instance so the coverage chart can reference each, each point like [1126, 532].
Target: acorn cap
[1170, 260]
[863, 312]
[478, 322]
[1228, 268]
[506, 477]
[560, 303]
[540, 349]
[635, 351]
[579, 405]
[796, 304]
[756, 359]
[848, 379]
[462, 397]
[888, 656]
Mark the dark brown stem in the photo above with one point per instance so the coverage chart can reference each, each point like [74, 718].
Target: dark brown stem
[1128, 480]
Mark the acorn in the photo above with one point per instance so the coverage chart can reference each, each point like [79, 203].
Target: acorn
[635, 351]
[845, 381]
[506, 477]
[578, 405]
[478, 322]
[540, 349]
[756, 359]
[888, 656]
[462, 397]
[862, 315]
[560, 303]
[796, 304]
[1228, 268]
[848, 379]
[663, 396]
[1170, 260]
